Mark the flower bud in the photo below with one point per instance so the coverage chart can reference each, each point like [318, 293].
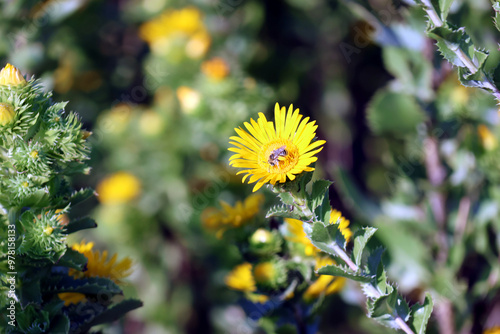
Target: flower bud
[7, 113]
[270, 274]
[10, 75]
[264, 242]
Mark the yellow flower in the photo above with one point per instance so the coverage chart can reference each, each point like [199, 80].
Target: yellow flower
[7, 113]
[98, 265]
[120, 187]
[488, 139]
[298, 235]
[188, 98]
[71, 297]
[216, 68]
[325, 284]
[493, 330]
[270, 154]
[241, 278]
[10, 75]
[231, 217]
[184, 23]
[337, 218]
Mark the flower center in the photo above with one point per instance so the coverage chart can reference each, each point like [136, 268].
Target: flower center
[279, 156]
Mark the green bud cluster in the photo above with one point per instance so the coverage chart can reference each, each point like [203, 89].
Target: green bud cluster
[41, 145]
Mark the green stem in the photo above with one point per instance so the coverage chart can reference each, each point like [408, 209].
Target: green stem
[300, 200]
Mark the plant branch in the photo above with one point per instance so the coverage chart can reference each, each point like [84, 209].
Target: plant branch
[429, 9]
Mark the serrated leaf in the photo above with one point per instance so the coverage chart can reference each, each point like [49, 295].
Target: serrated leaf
[387, 308]
[361, 238]
[392, 113]
[376, 267]
[325, 237]
[284, 211]
[443, 8]
[286, 198]
[318, 191]
[420, 315]
[343, 272]
[80, 224]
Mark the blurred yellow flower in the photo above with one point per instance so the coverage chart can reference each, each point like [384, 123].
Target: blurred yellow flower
[231, 217]
[488, 139]
[189, 99]
[185, 23]
[297, 235]
[493, 330]
[10, 75]
[7, 113]
[241, 279]
[275, 151]
[215, 68]
[325, 284]
[98, 265]
[337, 218]
[120, 187]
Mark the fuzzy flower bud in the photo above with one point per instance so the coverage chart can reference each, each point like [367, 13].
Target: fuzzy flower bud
[270, 274]
[7, 113]
[264, 242]
[10, 75]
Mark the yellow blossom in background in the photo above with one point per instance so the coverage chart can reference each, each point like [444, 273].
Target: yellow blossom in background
[71, 297]
[120, 187]
[297, 235]
[7, 113]
[215, 68]
[488, 139]
[494, 330]
[275, 152]
[231, 217]
[185, 23]
[98, 265]
[241, 278]
[10, 75]
[337, 218]
[325, 284]
[189, 99]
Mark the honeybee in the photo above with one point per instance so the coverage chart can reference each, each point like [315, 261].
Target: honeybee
[273, 159]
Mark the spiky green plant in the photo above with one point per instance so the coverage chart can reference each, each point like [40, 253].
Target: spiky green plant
[41, 145]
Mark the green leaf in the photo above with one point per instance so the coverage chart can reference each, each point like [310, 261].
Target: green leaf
[286, 198]
[73, 259]
[81, 195]
[285, 211]
[343, 272]
[443, 8]
[376, 267]
[387, 308]
[496, 8]
[319, 189]
[361, 237]
[394, 113]
[113, 313]
[325, 237]
[421, 314]
[80, 224]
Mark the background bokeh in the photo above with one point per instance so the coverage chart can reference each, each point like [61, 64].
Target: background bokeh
[162, 84]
